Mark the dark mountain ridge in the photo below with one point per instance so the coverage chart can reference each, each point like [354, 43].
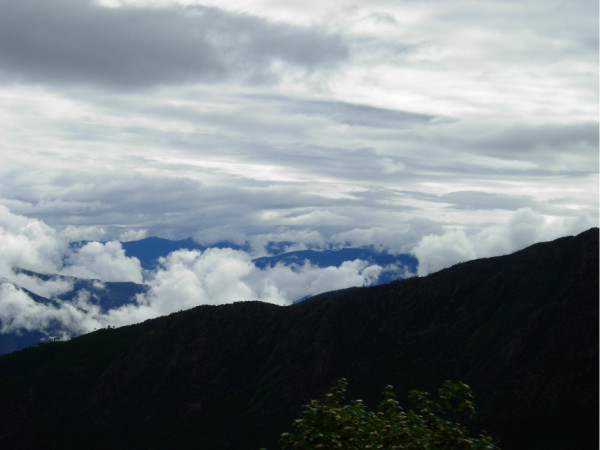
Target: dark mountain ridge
[521, 329]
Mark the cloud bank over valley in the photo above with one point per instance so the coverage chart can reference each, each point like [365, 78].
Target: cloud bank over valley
[444, 130]
[187, 278]
[182, 280]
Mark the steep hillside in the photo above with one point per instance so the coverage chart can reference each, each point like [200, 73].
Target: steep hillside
[521, 329]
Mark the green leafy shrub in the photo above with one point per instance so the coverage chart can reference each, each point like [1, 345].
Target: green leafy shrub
[332, 423]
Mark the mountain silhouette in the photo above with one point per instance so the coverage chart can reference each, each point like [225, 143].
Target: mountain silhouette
[520, 329]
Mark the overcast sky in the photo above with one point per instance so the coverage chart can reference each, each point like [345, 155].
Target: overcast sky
[451, 130]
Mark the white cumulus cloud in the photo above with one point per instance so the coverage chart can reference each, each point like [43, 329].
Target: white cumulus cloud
[294, 282]
[106, 262]
[524, 227]
[28, 243]
[217, 276]
[189, 278]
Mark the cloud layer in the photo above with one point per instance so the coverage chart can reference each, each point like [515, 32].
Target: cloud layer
[186, 278]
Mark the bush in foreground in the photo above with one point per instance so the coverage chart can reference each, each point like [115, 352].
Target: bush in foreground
[332, 423]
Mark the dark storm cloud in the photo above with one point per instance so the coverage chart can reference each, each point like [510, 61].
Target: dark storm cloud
[77, 42]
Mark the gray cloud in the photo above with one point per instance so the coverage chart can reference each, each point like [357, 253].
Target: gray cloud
[82, 43]
[473, 200]
[348, 113]
[186, 206]
[540, 140]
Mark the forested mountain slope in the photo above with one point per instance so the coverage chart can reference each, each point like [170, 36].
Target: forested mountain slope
[521, 330]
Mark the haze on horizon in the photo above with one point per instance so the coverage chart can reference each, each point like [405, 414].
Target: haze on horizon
[449, 130]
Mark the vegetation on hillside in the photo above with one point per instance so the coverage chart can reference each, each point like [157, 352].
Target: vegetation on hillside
[332, 423]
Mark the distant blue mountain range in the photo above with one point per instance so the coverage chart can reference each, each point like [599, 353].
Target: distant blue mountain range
[394, 266]
[149, 250]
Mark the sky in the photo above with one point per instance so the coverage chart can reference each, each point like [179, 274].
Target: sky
[449, 130]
